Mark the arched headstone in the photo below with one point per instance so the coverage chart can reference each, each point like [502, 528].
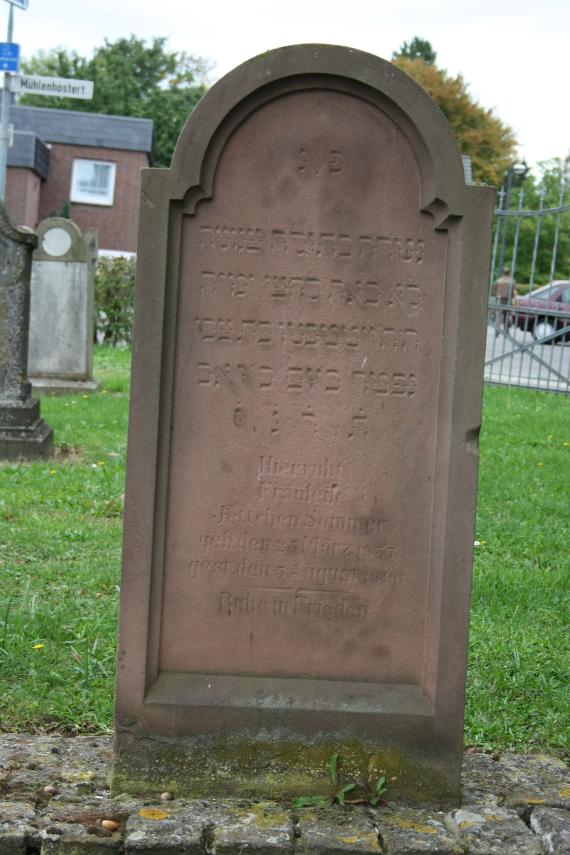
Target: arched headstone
[62, 308]
[308, 364]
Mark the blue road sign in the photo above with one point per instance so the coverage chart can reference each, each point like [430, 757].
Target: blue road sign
[9, 56]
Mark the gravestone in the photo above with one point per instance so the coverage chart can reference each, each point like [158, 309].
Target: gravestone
[23, 433]
[62, 304]
[308, 353]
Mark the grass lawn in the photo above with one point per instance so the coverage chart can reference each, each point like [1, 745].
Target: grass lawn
[60, 543]
[519, 652]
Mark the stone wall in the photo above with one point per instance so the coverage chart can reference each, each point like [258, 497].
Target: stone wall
[55, 801]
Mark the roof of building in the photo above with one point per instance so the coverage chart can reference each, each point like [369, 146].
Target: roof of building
[29, 152]
[90, 129]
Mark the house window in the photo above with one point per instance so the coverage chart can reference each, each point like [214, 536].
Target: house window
[93, 182]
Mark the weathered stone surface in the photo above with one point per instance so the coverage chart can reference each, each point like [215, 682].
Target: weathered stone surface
[311, 288]
[60, 355]
[23, 434]
[166, 830]
[263, 827]
[483, 779]
[68, 826]
[536, 779]
[16, 826]
[86, 810]
[404, 831]
[333, 831]
[74, 766]
[11, 755]
[77, 839]
[230, 827]
[553, 827]
[515, 780]
[492, 831]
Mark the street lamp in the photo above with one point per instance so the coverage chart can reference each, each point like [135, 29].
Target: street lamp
[519, 171]
[516, 174]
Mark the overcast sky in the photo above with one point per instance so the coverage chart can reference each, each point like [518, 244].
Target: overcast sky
[513, 53]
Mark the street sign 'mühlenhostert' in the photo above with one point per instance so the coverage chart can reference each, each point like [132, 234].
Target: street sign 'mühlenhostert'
[59, 86]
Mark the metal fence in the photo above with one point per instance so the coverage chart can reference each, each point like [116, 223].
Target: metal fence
[528, 334]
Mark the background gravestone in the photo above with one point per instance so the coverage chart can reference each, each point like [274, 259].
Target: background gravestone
[309, 333]
[23, 434]
[62, 308]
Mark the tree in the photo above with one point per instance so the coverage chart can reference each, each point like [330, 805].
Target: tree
[479, 133]
[131, 79]
[418, 48]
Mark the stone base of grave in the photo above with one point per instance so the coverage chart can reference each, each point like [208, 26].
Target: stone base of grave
[55, 801]
[23, 433]
[241, 765]
[62, 386]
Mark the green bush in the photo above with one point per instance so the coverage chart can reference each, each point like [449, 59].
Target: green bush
[114, 297]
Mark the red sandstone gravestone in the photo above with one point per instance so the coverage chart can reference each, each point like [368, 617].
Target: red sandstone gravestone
[307, 377]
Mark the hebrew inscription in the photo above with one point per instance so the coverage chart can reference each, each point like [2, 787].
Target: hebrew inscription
[303, 430]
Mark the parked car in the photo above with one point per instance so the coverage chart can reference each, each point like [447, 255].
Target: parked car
[548, 310]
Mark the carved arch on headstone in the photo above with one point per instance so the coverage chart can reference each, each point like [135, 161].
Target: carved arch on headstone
[300, 67]
[75, 250]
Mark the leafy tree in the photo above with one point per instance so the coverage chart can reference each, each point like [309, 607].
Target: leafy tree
[131, 78]
[418, 48]
[479, 133]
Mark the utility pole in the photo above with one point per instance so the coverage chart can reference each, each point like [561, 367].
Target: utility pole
[5, 116]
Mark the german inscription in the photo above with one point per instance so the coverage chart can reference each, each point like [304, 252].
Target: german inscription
[309, 321]
[299, 514]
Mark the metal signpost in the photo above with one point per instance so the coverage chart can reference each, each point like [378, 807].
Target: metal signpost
[27, 84]
[5, 106]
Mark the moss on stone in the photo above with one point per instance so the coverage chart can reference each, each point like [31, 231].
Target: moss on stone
[408, 824]
[370, 839]
[265, 815]
[284, 769]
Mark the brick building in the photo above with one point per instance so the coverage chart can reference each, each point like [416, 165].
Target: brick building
[89, 161]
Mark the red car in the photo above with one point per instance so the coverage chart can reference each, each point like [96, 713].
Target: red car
[548, 310]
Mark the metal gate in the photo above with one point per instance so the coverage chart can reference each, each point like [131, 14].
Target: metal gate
[528, 329]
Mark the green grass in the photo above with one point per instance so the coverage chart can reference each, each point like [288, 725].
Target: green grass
[60, 542]
[519, 663]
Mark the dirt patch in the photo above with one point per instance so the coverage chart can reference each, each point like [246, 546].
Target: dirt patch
[65, 453]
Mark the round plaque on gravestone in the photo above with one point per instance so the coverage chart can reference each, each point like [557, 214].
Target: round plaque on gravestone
[56, 241]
